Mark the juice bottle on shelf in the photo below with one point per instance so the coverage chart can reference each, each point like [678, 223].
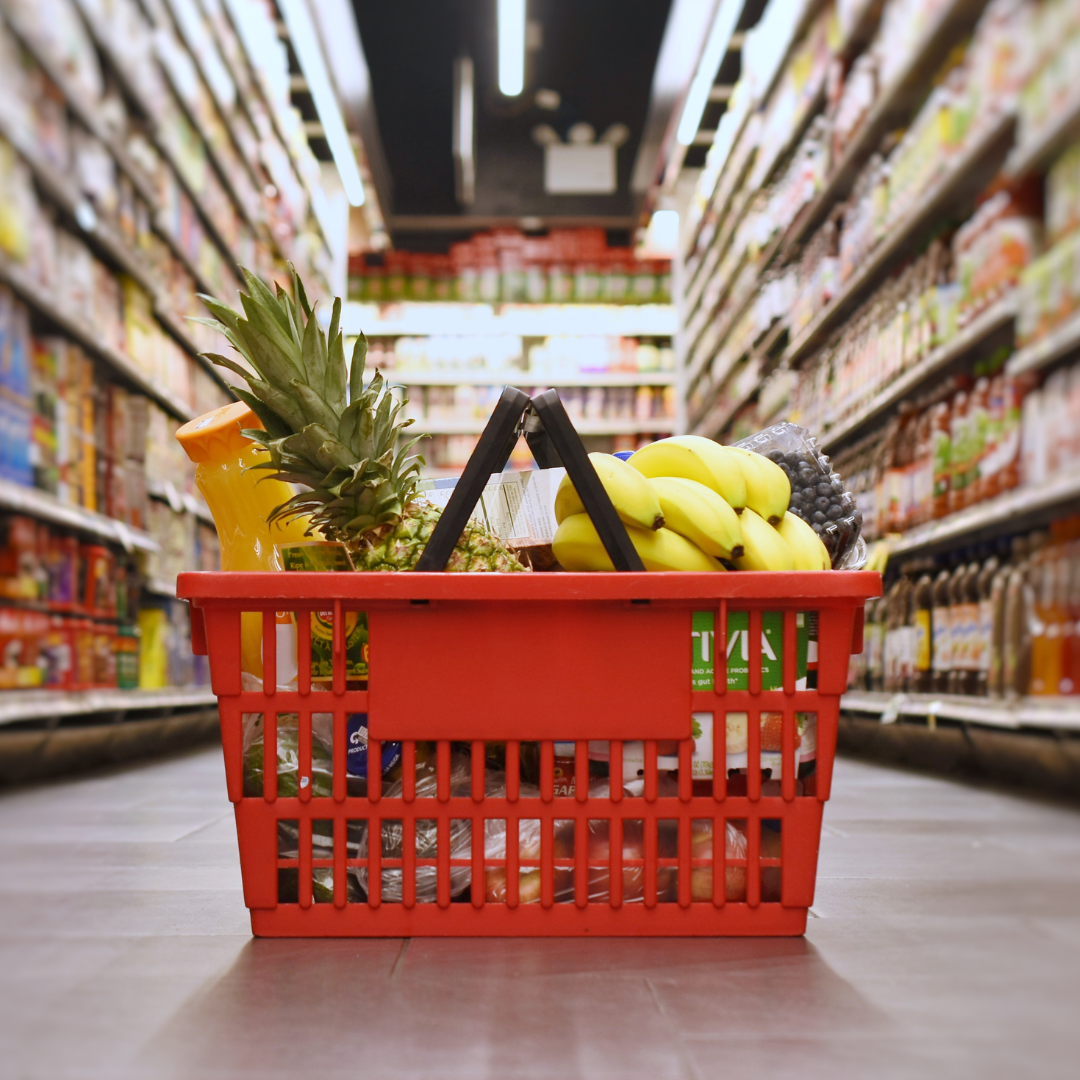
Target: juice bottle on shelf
[1071, 680]
[240, 500]
[1047, 639]
[923, 604]
[941, 437]
[968, 680]
[1016, 553]
[895, 617]
[958, 629]
[990, 464]
[987, 574]
[941, 633]
[978, 424]
[923, 470]
[873, 632]
[959, 439]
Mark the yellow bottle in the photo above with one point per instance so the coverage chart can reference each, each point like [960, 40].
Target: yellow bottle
[240, 500]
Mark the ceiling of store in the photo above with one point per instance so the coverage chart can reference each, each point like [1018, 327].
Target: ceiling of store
[599, 57]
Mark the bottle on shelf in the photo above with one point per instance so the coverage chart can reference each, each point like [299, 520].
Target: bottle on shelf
[923, 607]
[941, 632]
[987, 574]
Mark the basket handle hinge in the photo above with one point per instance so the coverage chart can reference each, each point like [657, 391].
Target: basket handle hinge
[553, 441]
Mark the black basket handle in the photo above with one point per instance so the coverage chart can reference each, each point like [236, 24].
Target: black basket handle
[553, 440]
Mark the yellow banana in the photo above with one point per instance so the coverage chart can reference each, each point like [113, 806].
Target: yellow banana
[695, 458]
[763, 547]
[768, 490]
[805, 544]
[634, 501]
[826, 558]
[698, 513]
[577, 546]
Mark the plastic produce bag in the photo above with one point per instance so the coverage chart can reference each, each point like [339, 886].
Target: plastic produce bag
[426, 834]
[818, 495]
[599, 851]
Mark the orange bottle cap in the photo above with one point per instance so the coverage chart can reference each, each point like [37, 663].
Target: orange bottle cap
[217, 434]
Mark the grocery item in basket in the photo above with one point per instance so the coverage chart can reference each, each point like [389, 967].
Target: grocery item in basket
[242, 500]
[288, 756]
[817, 493]
[598, 853]
[700, 514]
[735, 847]
[577, 546]
[631, 495]
[324, 555]
[460, 834]
[335, 435]
[695, 458]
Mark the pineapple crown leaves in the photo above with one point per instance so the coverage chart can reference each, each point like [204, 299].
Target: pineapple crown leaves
[323, 427]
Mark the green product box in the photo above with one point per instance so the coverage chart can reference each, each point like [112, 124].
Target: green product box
[703, 634]
[319, 555]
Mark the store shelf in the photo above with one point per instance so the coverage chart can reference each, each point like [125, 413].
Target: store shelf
[1062, 341]
[1005, 514]
[85, 111]
[255, 79]
[37, 298]
[179, 501]
[1036, 153]
[963, 176]
[101, 237]
[158, 587]
[971, 337]
[105, 43]
[22, 705]
[893, 104]
[652, 426]
[513, 377]
[1061, 713]
[516, 320]
[40, 504]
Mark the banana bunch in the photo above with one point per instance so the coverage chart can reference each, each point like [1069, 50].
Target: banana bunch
[691, 504]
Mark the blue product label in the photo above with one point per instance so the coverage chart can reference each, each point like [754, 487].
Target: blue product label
[356, 760]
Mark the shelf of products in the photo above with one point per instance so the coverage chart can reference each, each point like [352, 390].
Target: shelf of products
[969, 166]
[517, 377]
[566, 266]
[1044, 352]
[858, 218]
[983, 326]
[1062, 713]
[991, 518]
[507, 320]
[144, 156]
[23, 705]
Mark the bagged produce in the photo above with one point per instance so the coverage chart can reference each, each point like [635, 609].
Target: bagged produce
[426, 834]
[818, 495]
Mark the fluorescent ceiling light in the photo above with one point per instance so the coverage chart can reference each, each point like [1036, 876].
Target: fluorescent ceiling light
[511, 18]
[715, 49]
[309, 53]
[464, 132]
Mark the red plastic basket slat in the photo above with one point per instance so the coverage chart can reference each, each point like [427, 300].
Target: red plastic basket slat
[542, 657]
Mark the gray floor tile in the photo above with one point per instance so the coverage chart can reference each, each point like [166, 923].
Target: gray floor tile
[946, 944]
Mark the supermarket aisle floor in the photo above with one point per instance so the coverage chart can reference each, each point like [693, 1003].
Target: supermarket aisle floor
[946, 944]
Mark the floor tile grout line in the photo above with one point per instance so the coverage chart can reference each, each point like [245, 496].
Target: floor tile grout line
[399, 962]
[689, 1070]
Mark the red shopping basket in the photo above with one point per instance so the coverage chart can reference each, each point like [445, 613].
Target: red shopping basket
[491, 827]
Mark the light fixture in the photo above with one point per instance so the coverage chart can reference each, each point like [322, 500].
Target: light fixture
[511, 16]
[716, 48]
[464, 130]
[309, 53]
[662, 236]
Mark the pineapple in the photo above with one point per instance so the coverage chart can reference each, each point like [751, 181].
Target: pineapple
[335, 436]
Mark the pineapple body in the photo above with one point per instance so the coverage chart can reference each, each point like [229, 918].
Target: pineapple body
[397, 547]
